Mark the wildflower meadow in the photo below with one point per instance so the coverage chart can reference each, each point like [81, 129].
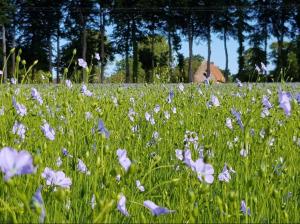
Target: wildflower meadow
[150, 153]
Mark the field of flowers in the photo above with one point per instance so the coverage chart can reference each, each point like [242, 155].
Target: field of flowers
[150, 153]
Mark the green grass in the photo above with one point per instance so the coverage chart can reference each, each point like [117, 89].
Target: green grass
[167, 181]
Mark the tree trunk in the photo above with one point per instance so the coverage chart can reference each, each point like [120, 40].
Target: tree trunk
[266, 44]
[102, 31]
[298, 58]
[58, 54]
[209, 50]
[84, 46]
[226, 54]
[170, 55]
[135, 53]
[241, 61]
[279, 55]
[4, 54]
[50, 54]
[152, 58]
[13, 59]
[127, 72]
[190, 39]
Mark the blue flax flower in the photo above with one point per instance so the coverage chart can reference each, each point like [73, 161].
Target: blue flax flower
[38, 202]
[14, 162]
[155, 209]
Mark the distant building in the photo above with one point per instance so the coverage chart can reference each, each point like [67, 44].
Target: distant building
[215, 73]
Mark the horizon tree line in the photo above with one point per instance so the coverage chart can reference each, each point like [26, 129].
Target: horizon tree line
[37, 27]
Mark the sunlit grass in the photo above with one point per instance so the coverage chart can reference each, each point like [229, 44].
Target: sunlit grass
[267, 179]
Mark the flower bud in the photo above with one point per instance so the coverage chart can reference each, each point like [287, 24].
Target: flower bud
[12, 50]
[23, 62]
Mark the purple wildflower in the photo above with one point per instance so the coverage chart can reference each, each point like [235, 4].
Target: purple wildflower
[244, 208]
[122, 206]
[85, 91]
[139, 186]
[298, 98]
[170, 96]
[56, 178]
[81, 167]
[82, 63]
[131, 114]
[156, 108]
[229, 123]
[188, 158]
[150, 118]
[65, 152]
[38, 203]
[102, 129]
[36, 95]
[204, 170]
[238, 118]
[20, 108]
[13, 81]
[284, 102]
[123, 159]
[266, 103]
[215, 101]
[14, 162]
[68, 83]
[225, 174]
[155, 209]
[19, 129]
[179, 154]
[48, 131]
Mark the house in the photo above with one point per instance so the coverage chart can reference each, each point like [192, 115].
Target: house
[215, 73]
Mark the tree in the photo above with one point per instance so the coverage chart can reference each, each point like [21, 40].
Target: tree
[280, 17]
[4, 20]
[242, 27]
[223, 26]
[80, 17]
[159, 55]
[189, 27]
